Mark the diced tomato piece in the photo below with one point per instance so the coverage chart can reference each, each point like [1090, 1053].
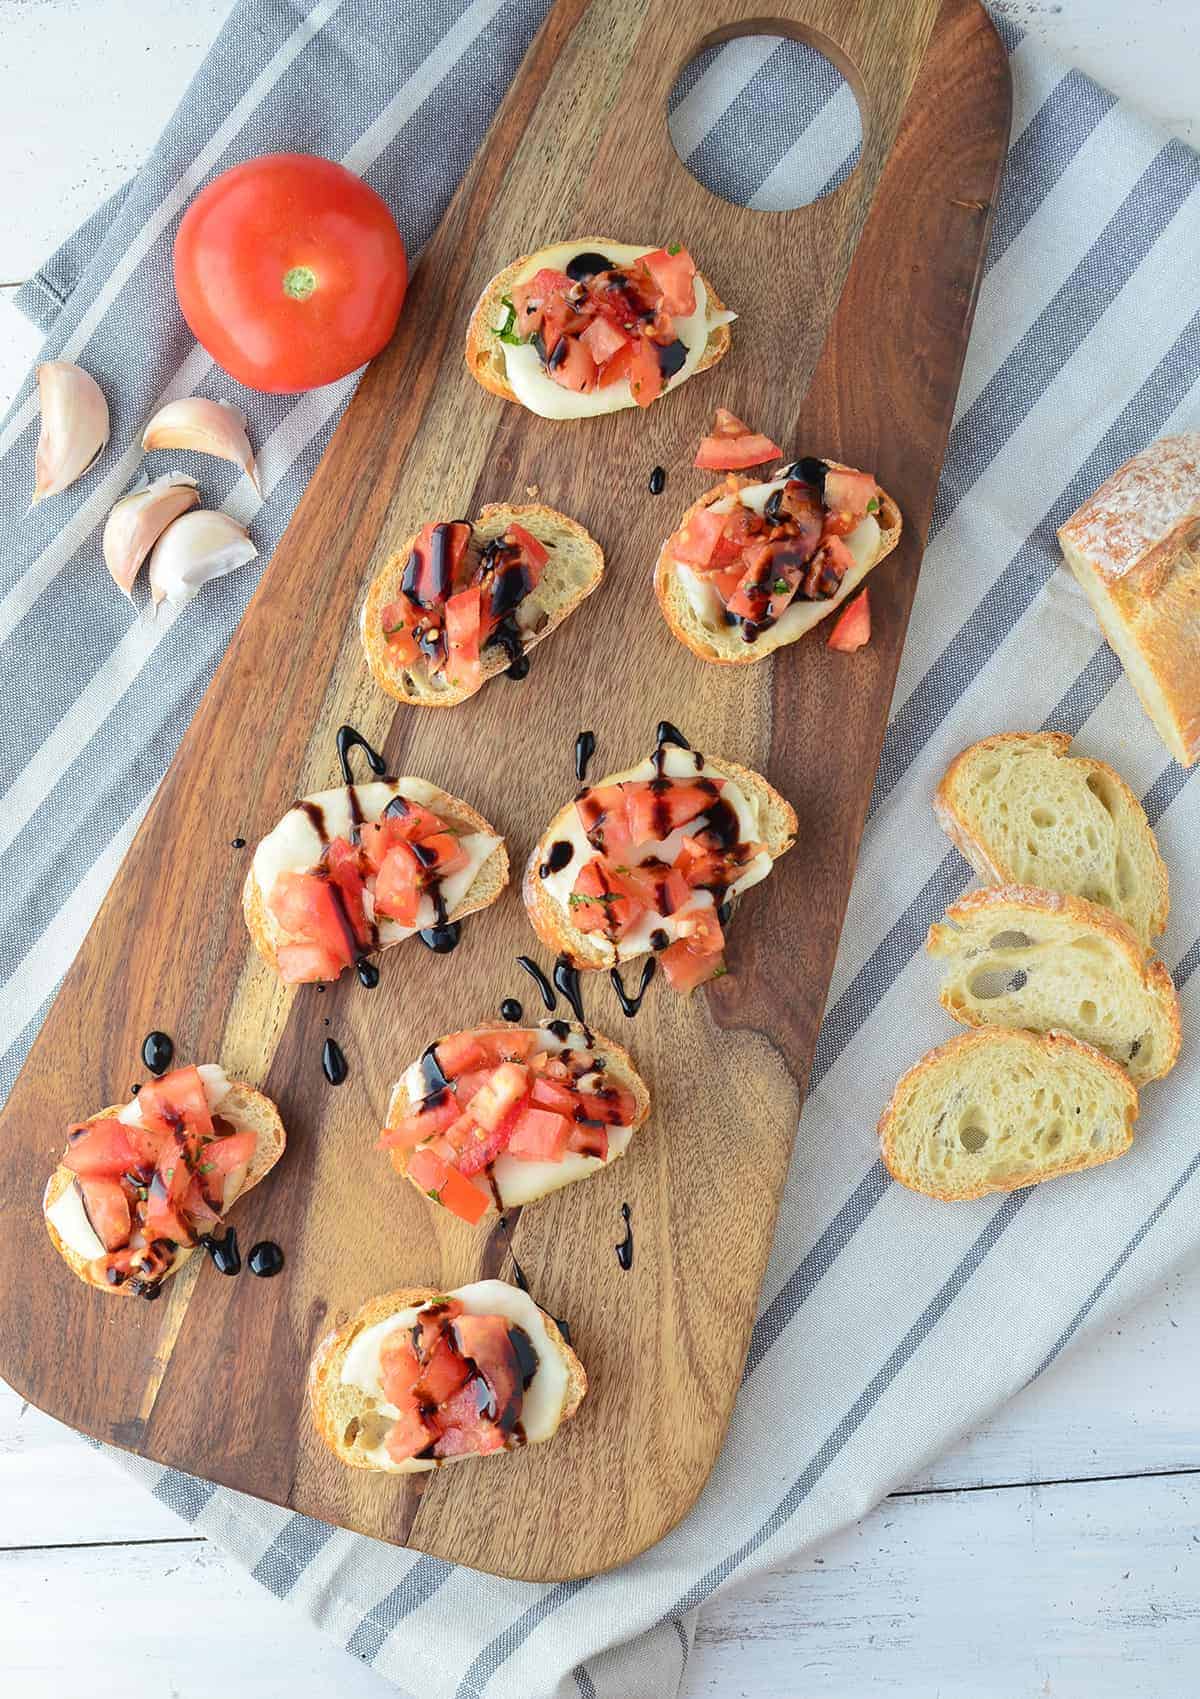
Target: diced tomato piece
[602, 814]
[485, 1342]
[672, 274]
[435, 565]
[398, 885]
[655, 808]
[482, 1149]
[694, 545]
[178, 1097]
[308, 911]
[407, 822]
[440, 1377]
[552, 1094]
[603, 339]
[399, 619]
[201, 1215]
[506, 1044]
[614, 1105]
[457, 1194]
[588, 1140]
[507, 1086]
[220, 1158]
[164, 1214]
[848, 495]
[466, 1085]
[570, 364]
[107, 1209]
[598, 906]
[301, 964]
[462, 1053]
[645, 371]
[654, 885]
[463, 616]
[529, 299]
[539, 1135]
[617, 366]
[440, 855]
[852, 627]
[535, 552]
[427, 1169]
[701, 866]
[731, 446]
[103, 1149]
[697, 954]
[408, 1436]
[827, 568]
[346, 876]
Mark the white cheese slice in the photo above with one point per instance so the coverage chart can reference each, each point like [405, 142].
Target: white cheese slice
[538, 392]
[69, 1220]
[296, 844]
[545, 1396]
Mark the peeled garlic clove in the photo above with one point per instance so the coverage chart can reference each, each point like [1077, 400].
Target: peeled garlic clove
[209, 427]
[74, 426]
[193, 549]
[138, 520]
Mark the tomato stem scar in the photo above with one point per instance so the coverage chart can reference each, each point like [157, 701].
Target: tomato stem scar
[299, 282]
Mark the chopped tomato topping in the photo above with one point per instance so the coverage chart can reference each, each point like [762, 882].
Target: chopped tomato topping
[570, 364]
[602, 813]
[694, 545]
[107, 1208]
[307, 908]
[539, 1135]
[463, 624]
[589, 1140]
[849, 495]
[104, 1148]
[505, 1044]
[405, 822]
[597, 905]
[400, 620]
[506, 1087]
[603, 339]
[656, 807]
[536, 554]
[697, 955]
[731, 446]
[673, 273]
[398, 885]
[179, 1097]
[529, 300]
[852, 628]
[410, 1130]
[461, 1053]
[645, 371]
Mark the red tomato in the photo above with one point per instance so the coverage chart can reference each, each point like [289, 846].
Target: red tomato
[178, 1096]
[507, 1086]
[539, 1135]
[671, 272]
[103, 1149]
[463, 619]
[398, 886]
[699, 537]
[849, 495]
[107, 1208]
[534, 551]
[290, 271]
[571, 365]
[410, 1130]
[852, 628]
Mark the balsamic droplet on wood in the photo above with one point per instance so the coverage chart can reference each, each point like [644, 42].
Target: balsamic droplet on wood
[658, 480]
[333, 1062]
[265, 1259]
[157, 1052]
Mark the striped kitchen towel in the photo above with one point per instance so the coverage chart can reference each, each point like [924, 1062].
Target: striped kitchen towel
[888, 1324]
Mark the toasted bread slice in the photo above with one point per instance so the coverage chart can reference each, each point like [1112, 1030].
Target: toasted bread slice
[574, 570]
[995, 1110]
[1048, 962]
[528, 1181]
[1024, 811]
[551, 921]
[708, 636]
[244, 1107]
[348, 1417]
[488, 883]
[485, 353]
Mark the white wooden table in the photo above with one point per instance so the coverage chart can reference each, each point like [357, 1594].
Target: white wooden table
[1054, 1553]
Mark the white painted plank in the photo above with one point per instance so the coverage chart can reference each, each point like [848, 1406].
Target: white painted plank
[1074, 1592]
[19, 344]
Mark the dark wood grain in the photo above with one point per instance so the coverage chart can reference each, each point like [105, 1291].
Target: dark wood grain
[855, 314]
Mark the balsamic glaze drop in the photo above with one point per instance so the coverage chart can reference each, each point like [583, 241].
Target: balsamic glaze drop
[527, 1357]
[631, 1004]
[659, 939]
[658, 480]
[265, 1259]
[585, 748]
[368, 975]
[725, 913]
[671, 358]
[134, 1089]
[519, 668]
[348, 739]
[811, 471]
[511, 1010]
[545, 989]
[559, 856]
[566, 982]
[667, 733]
[587, 265]
[157, 1051]
[441, 939]
[625, 1249]
[560, 1029]
[333, 1062]
[237, 843]
[226, 1258]
[518, 1271]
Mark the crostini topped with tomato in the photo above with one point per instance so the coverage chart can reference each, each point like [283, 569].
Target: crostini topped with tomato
[500, 1115]
[753, 566]
[419, 1378]
[592, 326]
[653, 859]
[351, 871]
[462, 601]
[138, 1187]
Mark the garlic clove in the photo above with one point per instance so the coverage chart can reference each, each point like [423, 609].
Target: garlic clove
[139, 519]
[209, 427]
[74, 426]
[193, 549]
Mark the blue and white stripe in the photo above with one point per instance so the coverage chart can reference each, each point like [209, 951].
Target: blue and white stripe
[888, 1324]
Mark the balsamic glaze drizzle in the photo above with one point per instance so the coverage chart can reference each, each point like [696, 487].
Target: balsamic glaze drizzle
[545, 989]
[441, 939]
[631, 1004]
[333, 1062]
[348, 739]
[226, 1258]
[566, 982]
[518, 1271]
[265, 1259]
[511, 1010]
[667, 733]
[658, 481]
[585, 748]
[157, 1052]
[625, 1249]
[558, 857]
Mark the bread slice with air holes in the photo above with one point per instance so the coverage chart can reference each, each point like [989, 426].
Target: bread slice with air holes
[766, 816]
[346, 1396]
[1048, 962]
[1134, 549]
[66, 1220]
[1024, 811]
[995, 1110]
[694, 611]
[573, 571]
[491, 361]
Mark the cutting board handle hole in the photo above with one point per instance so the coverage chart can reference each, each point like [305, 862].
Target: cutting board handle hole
[764, 117]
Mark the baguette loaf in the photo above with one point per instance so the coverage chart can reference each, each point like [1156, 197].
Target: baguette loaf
[574, 570]
[1024, 811]
[1135, 550]
[994, 1110]
[1048, 962]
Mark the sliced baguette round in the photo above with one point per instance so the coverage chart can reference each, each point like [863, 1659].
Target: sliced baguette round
[587, 949]
[618, 1067]
[1024, 811]
[727, 647]
[484, 352]
[1048, 962]
[574, 570]
[342, 1413]
[245, 1108]
[995, 1110]
[486, 886]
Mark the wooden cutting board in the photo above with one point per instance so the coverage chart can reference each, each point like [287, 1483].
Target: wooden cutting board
[854, 319]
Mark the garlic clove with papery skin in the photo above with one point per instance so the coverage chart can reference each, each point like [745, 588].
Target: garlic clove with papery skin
[192, 550]
[74, 426]
[139, 519]
[209, 427]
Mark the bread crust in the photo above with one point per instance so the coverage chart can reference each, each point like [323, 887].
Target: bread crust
[327, 1359]
[619, 1065]
[1053, 1044]
[485, 888]
[545, 523]
[246, 1106]
[668, 590]
[583, 949]
[480, 351]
